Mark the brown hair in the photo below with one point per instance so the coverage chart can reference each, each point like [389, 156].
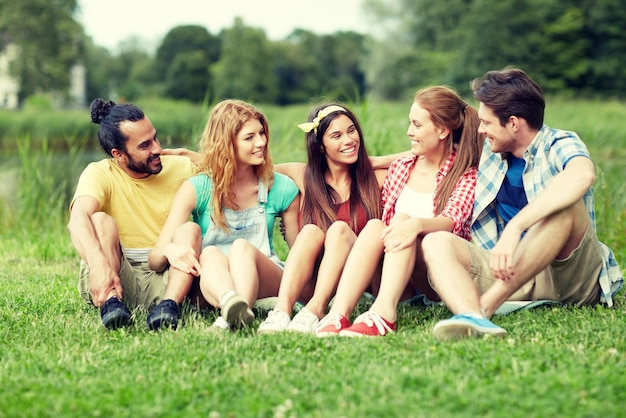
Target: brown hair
[448, 110]
[511, 92]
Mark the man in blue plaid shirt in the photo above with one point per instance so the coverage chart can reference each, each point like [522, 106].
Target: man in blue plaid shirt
[533, 225]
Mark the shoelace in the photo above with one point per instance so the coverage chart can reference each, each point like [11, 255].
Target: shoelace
[274, 317]
[334, 319]
[307, 318]
[373, 319]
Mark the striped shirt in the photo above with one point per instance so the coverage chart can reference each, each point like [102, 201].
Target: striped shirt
[459, 205]
[545, 157]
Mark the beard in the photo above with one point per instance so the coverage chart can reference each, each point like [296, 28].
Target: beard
[144, 167]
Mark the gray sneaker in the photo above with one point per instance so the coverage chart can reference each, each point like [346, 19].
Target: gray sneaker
[237, 312]
[304, 322]
[276, 321]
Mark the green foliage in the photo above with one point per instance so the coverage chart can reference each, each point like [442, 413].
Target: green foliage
[46, 183]
[571, 46]
[48, 41]
[188, 77]
[310, 66]
[245, 68]
[184, 58]
[130, 73]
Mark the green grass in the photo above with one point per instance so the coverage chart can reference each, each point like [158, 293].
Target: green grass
[56, 360]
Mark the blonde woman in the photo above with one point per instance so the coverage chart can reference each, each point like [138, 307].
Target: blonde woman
[234, 200]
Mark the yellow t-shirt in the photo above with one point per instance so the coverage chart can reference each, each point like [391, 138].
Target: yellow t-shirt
[139, 206]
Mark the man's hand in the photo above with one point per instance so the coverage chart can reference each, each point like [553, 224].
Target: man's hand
[104, 283]
[502, 262]
[194, 156]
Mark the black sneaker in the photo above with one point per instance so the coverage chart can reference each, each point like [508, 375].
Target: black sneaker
[115, 314]
[165, 314]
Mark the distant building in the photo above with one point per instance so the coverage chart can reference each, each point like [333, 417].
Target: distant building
[9, 86]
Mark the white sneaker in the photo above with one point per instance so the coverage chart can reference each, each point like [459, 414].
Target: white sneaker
[219, 326]
[305, 322]
[276, 321]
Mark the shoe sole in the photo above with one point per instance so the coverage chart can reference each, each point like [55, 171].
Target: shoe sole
[347, 333]
[326, 334]
[115, 320]
[452, 331]
[301, 330]
[164, 321]
[237, 311]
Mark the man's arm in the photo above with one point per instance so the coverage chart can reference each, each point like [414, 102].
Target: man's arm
[565, 190]
[183, 152]
[294, 171]
[165, 252]
[97, 248]
[384, 161]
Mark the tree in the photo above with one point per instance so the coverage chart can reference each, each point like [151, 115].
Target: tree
[130, 72]
[98, 62]
[246, 68]
[184, 59]
[188, 77]
[566, 45]
[606, 20]
[49, 41]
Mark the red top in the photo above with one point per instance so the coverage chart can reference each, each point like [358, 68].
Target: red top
[343, 214]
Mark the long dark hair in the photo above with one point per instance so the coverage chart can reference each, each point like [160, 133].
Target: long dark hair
[320, 200]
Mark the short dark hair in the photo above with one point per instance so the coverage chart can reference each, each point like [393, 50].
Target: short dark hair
[109, 115]
[511, 92]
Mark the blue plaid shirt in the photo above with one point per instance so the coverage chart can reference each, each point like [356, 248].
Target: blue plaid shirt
[545, 157]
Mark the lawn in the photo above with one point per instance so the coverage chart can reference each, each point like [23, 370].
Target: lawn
[56, 359]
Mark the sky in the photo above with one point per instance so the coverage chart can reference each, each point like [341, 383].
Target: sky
[108, 22]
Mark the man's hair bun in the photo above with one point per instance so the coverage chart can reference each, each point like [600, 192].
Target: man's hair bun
[100, 109]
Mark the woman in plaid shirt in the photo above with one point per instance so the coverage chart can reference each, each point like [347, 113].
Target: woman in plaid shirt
[431, 190]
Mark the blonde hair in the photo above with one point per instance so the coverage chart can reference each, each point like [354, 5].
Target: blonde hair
[218, 153]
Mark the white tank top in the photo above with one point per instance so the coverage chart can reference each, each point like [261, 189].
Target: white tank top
[415, 204]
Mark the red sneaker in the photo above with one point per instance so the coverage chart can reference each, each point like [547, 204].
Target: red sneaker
[369, 324]
[331, 325]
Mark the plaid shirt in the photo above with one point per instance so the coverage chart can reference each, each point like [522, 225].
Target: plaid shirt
[545, 157]
[459, 206]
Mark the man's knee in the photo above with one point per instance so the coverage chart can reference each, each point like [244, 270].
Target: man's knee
[436, 244]
[103, 222]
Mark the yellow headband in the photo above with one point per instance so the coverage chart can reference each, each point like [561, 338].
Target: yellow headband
[312, 126]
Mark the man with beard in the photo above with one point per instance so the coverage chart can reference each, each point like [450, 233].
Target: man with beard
[117, 213]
